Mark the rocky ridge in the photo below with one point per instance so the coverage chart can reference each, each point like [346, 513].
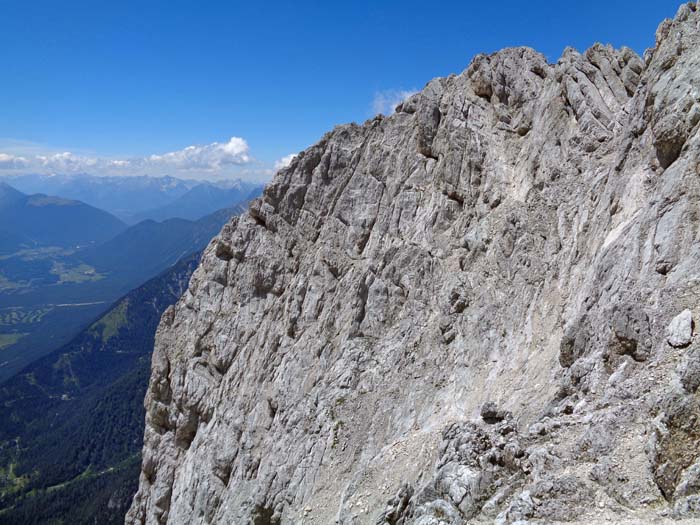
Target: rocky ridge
[476, 310]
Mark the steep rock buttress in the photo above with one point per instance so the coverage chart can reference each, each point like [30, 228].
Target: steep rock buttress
[458, 313]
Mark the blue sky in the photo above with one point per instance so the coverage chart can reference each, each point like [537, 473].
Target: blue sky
[133, 80]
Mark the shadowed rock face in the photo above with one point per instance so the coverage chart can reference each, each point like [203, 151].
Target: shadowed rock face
[513, 242]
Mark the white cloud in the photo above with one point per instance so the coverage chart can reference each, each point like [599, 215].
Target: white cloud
[215, 160]
[12, 162]
[385, 102]
[66, 162]
[284, 161]
[210, 157]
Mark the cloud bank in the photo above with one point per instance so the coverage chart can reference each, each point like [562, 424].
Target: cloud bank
[210, 157]
[66, 162]
[217, 159]
[9, 162]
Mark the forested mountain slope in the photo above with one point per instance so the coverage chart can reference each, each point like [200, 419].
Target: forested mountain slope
[72, 422]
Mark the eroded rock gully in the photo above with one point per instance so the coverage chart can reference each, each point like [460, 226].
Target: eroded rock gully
[522, 234]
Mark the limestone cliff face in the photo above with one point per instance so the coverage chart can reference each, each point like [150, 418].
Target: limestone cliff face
[460, 313]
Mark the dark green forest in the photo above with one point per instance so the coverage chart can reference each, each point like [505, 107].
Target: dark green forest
[72, 422]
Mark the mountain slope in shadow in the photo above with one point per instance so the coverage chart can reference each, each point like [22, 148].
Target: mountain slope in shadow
[31, 221]
[71, 423]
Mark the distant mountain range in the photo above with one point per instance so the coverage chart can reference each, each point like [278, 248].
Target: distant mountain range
[31, 221]
[71, 423]
[133, 199]
[148, 247]
[122, 196]
[201, 200]
[63, 262]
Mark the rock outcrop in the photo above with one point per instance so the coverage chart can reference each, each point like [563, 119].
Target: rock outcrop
[455, 314]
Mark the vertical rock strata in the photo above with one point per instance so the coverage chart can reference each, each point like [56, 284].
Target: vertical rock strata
[455, 314]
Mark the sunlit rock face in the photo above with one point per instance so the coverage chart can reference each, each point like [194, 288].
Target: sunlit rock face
[460, 313]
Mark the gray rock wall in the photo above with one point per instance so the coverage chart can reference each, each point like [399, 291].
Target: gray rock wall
[522, 235]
